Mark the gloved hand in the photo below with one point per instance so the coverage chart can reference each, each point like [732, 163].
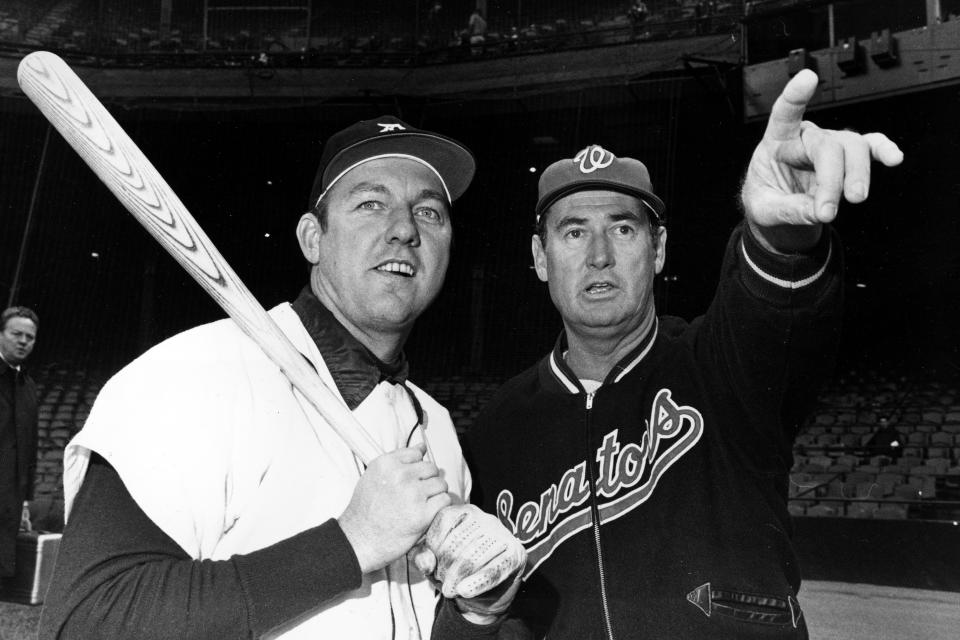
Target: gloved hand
[474, 558]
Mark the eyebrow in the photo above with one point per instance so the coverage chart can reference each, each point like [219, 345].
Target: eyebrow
[431, 194]
[366, 187]
[570, 221]
[376, 187]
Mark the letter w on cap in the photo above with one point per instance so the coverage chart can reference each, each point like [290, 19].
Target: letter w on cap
[592, 158]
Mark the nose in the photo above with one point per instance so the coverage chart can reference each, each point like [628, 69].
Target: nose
[600, 255]
[403, 228]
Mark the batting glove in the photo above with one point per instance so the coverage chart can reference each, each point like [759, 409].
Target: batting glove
[474, 558]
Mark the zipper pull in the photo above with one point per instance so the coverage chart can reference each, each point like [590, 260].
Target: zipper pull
[590, 400]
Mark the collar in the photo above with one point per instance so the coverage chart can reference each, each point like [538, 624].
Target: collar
[355, 369]
[6, 366]
[562, 373]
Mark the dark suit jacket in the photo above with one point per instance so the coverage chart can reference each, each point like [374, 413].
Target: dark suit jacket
[18, 454]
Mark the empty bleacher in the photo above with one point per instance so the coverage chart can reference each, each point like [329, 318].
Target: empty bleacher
[875, 447]
[883, 447]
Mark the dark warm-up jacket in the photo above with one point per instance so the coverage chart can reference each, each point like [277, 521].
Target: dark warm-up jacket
[655, 507]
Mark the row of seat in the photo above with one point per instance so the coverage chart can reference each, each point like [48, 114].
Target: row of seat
[879, 510]
[879, 446]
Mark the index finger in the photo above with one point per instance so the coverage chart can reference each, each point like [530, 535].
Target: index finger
[413, 453]
[787, 112]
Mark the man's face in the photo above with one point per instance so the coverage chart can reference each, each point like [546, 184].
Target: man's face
[16, 341]
[384, 254]
[599, 261]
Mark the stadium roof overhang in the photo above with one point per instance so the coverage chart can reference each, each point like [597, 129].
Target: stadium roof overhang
[514, 76]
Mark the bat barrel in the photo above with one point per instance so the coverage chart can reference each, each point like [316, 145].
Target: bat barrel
[73, 110]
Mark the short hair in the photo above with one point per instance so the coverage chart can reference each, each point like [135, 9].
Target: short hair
[320, 211]
[18, 312]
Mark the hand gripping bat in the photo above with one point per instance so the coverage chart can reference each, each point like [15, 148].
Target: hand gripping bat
[94, 134]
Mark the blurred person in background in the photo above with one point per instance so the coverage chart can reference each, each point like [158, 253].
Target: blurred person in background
[18, 429]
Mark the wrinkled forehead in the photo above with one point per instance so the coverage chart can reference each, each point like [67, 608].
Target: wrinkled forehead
[19, 323]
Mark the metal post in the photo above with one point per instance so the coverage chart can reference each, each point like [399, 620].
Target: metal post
[203, 41]
[309, 30]
[831, 26]
[22, 256]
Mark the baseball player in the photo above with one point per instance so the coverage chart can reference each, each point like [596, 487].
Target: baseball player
[644, 461]
[206, 499]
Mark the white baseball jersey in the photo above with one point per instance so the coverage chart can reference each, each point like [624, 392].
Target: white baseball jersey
[220, 453]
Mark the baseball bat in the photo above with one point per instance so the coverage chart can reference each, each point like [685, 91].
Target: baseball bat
[86, 125]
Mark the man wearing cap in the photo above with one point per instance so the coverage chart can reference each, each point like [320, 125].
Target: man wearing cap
[206, 500]
[644, 461]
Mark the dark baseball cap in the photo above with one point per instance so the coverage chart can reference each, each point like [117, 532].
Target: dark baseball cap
[595, 168]
[388, 136]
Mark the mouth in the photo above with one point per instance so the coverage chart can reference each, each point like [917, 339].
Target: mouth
[400, 268]
[598, 288]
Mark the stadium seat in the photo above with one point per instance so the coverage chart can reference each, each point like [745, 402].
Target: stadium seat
[860, 476]
[888, 481]
[801, 484]
[925, 486]
[805, 440]
[867, 490]
[851, 440]
[891, 512]
[880, 460]
[825, 509]
[861, 509]
[940, 465]
[942, 438]
[827, 439]
[906, 492]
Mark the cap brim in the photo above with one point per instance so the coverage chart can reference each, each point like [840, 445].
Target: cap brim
[653, 202]
[453, 161]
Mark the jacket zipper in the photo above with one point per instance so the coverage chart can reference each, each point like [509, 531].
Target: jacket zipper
[595, 512]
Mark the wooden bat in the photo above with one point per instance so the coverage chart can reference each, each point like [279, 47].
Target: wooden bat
[86, 125]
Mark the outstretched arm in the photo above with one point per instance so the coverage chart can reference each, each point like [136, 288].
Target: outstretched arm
[799, 171]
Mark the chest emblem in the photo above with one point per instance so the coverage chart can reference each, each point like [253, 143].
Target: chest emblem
[626, 475]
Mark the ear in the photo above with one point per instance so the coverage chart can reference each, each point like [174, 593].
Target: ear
[308, 236]
[660, 245]
[539, 257]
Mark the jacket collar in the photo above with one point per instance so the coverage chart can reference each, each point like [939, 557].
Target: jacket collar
[355, 369]
[557, 369]
[6, 366]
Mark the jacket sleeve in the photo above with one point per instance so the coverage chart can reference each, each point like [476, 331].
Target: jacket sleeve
[119, 576]
[769, 341]
[450, 625]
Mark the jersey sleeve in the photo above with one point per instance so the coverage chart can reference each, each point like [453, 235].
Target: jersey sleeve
[118, 576]
[768, 341]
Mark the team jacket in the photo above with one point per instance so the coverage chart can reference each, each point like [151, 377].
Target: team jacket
[655, 507]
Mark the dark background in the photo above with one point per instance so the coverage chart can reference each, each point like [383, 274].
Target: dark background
[245, 171]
